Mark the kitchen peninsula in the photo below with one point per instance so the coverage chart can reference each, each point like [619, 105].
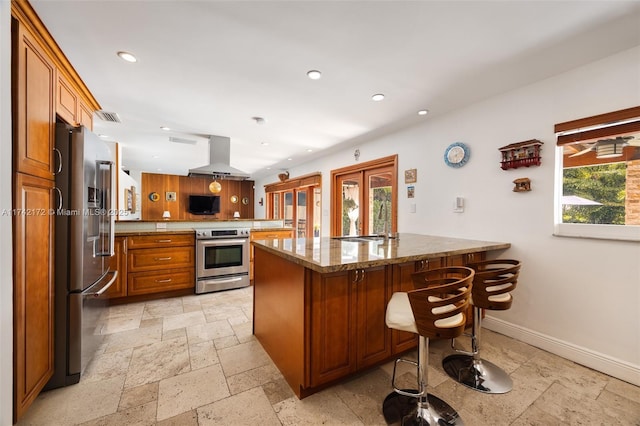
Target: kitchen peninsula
[319, 304]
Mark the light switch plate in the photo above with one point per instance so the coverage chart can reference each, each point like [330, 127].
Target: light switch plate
[171, 196]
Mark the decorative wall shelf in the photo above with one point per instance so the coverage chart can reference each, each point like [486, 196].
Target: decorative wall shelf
[521, 154]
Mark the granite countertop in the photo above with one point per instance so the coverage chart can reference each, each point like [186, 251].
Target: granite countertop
[326, 254]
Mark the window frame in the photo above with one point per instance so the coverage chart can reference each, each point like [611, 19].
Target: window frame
[602, 125]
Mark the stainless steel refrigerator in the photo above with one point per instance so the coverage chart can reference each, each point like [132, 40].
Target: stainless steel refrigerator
[84, 238]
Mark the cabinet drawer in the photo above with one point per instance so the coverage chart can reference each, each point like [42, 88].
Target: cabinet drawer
[269, 235]
[155, 282]
[161, 259]
[157, 241]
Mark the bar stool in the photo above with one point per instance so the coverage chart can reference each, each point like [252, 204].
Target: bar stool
[436, 309]
[492, 285]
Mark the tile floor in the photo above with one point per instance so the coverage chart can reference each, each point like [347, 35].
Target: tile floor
[193, 361]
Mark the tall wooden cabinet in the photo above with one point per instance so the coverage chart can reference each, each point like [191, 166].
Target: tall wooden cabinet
[38, 67]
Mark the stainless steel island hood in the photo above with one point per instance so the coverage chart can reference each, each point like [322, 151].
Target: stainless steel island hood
[219, 159]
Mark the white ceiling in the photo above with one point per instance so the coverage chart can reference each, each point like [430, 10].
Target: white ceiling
[208, 67]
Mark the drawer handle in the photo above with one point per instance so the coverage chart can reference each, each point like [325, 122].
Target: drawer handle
[163, 241]
[162, 258]
[168, 280]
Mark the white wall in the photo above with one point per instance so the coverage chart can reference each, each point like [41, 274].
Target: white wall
[576, 297]
[6, 256]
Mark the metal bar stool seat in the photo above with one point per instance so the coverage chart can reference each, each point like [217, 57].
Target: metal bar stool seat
[436, 309]
[493, 283]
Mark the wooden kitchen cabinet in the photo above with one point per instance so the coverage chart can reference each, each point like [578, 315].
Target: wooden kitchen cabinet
[37, 64]
[85, 115]
[118, 263]
[266, 235]
[34, 114]
[160, 263]
[66, 101]
[347, 328]
[33, 288]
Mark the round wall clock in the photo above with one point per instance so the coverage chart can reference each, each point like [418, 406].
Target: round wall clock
[154, 196]
[234, 199]
[456, 154]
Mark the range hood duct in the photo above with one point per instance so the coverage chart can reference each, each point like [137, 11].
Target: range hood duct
[219, 159]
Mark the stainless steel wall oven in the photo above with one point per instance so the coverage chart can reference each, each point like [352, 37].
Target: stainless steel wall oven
[222, 259]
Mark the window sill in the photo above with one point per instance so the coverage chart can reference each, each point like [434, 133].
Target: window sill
[599, 232]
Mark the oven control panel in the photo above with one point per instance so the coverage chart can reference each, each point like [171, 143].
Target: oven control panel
[202, 234]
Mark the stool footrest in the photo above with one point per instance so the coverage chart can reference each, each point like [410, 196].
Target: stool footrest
[409, 393]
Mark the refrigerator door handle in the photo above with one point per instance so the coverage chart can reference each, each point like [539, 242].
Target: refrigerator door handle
[59, 198]
[57, 151]
[107, 218]
[105, 287]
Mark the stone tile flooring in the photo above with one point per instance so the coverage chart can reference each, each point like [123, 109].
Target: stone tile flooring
[193, 361]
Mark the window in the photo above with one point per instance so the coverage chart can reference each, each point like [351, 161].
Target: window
[288, 200]
[598, 176]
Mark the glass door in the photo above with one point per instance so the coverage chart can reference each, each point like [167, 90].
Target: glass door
[380, 208]
[364, 198]
[349, 204]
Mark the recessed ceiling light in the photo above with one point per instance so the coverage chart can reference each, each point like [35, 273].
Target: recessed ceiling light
[264, 143]
[309, 150]
[126, 56]
[156, 156]
[377, 97]
[289, 159]
[268, 168]
[314, 74]
[423, 112]
[165, 128]
[100, 135]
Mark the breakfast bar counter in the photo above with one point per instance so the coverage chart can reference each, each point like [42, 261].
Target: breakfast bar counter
[319, 303]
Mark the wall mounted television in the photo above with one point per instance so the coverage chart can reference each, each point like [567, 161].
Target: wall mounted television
[204, 204]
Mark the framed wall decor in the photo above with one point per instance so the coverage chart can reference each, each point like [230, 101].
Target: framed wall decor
[130, 198]
[411, 191]
[410, 175]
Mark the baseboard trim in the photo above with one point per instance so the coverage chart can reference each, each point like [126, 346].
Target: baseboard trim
[614, 367]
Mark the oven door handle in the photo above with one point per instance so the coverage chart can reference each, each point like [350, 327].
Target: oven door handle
[223, 280]
[221, 242]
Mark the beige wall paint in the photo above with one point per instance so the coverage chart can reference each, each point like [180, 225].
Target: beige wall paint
[576, 297]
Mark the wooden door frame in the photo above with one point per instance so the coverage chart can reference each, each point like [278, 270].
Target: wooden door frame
[336, 195]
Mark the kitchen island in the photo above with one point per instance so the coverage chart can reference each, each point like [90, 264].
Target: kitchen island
[319, 303]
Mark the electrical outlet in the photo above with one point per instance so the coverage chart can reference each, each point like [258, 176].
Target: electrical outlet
[171, 196]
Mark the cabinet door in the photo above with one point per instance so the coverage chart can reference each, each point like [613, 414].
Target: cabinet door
[333, 320]
[402, 281]
[34, 113]
[119, 263]
[33, 288]
[373, 292]
[85, 116]
[66, 101]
